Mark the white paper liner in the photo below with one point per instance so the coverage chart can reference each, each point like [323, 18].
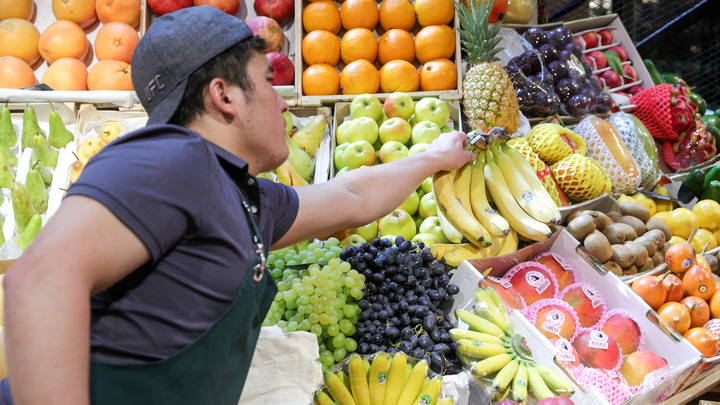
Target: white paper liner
[580, 286]
[531, 313]
[562, 263]
[534, 266]
[621, 312]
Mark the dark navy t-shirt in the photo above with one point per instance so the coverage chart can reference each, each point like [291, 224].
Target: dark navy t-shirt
[179, 194]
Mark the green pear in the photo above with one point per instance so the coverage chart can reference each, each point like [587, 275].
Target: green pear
[30, 128]
[22, 207]
[32, 229]
[37, 191]
[7, 132]
[44, 173]
[43, 152]
[2, 235]
[300, 160]
[59, 135]
[7, 175]
[12, 159]
[308, 138]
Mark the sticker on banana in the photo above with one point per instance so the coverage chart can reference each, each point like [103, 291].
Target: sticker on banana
[520, 386]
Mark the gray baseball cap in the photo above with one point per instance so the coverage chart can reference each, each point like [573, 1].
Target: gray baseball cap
[175, 46]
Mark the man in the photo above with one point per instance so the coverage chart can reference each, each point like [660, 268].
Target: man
[155, 258]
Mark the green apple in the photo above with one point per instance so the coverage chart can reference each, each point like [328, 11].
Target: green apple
[427, 185]
[368, 232]
[400, 105]
[359, 153]
[420, 193]
[382, 119]
[341, 133]
[425, 132]
[392, 151]
[395, 129]
[411, 204]
[398, 222]
[343, 170]
[288, 122]
[428, 207]
[362, 128]
[417, 148]
[432, 226]
[432, 109]
[366, 105]
[352, 240]
[426, 238]
[418, 222]
[338, 156]
[445, 129]
[412, 121]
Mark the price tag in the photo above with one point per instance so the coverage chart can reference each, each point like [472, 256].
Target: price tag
[553, 322]
[592, 296]
[598, 340]
[503, 282]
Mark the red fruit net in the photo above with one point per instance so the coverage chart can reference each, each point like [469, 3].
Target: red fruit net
[652, 108]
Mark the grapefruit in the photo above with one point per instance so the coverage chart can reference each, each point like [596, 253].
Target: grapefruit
[19, 38]
[116, 41]
[66, 74]
[110, 75]
[16, 9]
[127, 11]
[63, 39]
[81, 12]
[15, 73]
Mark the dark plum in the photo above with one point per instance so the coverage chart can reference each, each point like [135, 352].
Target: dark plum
[531, 59]
[536, 37]
[523, 98]
[548, 53]
[558, 69]
[574, 48]
[578, 105]
[560, 36]
[567, 88]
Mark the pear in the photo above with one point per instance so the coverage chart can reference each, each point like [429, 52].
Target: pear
[37, 191]
[7, 132]
[76, 168]
[288, 122]
[7, 175]
[44, 173]
[32, 229]
[30, 128]
[89, 148]
[43, 152]
[12, 159]
[59, 135]
[289, 176]
[308, 138]
[109, 131]
[22, 207]
[300, 160]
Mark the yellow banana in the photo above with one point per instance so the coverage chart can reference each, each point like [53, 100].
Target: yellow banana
[556, 382]
[358, 380]
[366, 365]
[464, 359]
[495, 223]
[378, 378]
[395, 378]
[519, 386]
[479, 324]
[497, 243]
[448, 204]
[430, 393]
[439, 250]
[457, 334]
[337, 389]
[486, 308]
[505, 376]
[461, 186]
[511, 243]
[465, 252]
[321, 398]
[445, 401]
[452, 234]
[408, 370]
[411, 389]
[424, 385]
[484, 368]
[499, 304]
[527, 171]
[479, 350]
[537, 384]
[344, 378]
[523, 223]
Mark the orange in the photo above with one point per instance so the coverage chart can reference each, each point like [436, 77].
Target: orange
[397, 14]
[434, 12]
[358, 43]
[396, 44]
[15, 73]
[433, 42]
[715, 305]
[699, 282]
[321, 47]
[16, 9]
[110, 75]
[321, 15]
[81, 12]
[399, 75]
[127, 11]
[321, 80]
[359, 14]
[63, 39]
[66, 74]
[19, 38]
[359, 77]
[116, 41]
[437, 75]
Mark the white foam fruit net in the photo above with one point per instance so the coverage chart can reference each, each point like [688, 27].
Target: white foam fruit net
[635, 144]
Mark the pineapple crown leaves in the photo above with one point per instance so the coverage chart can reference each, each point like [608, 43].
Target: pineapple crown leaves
[478, 40]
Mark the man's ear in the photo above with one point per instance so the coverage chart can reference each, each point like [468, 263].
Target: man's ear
[220, 97]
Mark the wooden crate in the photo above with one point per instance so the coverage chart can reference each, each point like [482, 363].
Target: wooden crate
[300, 65]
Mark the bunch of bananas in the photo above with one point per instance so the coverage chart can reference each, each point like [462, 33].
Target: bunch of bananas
[490, 347]
[387, 381]
[524, 207]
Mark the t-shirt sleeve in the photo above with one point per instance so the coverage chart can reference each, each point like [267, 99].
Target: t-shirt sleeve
[151, 185]
[284, 204]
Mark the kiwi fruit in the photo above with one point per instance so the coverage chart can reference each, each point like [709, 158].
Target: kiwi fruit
[657, 223]
[658, 259]
[649, 264]
[623, 255]
[664, 248]
[641, 254]
[713, 262]
[581, 226]
[658, 235]
[574, 215]
[614, 268]
[629, 271]
[598, 246]
[648, 243]
[636, 210]
[601, 220]
[638, 225]
[618, 233]
[614, 216]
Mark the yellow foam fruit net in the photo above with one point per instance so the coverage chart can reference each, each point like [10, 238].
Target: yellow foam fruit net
[522, 145]
[581, 178]
[547, 141]
[635, 144]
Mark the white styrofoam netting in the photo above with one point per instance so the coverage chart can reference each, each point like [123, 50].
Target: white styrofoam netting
[625, 125]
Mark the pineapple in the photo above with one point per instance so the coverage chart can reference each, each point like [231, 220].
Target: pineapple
[488, 94]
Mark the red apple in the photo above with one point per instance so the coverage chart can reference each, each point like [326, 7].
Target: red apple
[229, 6]
[606, 37]
[162, 7]
[283, 70]
[591, 40]
[629, 71]
[282, 11]
[602, 83]
[633, 91]
[638, 364]
[620, 51]
[612, 79]
[590, 61]
[269, 30]
[600, 60]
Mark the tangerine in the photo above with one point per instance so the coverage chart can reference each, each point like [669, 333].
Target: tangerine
[359, 14]
[66, 74]
[680, 257]
[19, 38]
[434, 42]
[81, 12]
[699, 282]
[676, 315]
[321, 80]
[321, 46]
[396, 44]
[397, 14]
[15, 73]
[438, 74]
[399, 75]
[703, 340]
[63, 39]
[434, 12]
[17, 9]
[358, 43]
[322, 15]
[651, 290]
[116, 41]
[699, 310]
[127, 11]
[110, 75]
[359, 77]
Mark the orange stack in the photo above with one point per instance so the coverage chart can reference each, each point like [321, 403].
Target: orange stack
[362, 48]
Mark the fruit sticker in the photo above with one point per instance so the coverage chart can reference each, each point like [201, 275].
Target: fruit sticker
[561, 261]
[592, 295]
[598, 340]
[490, 211]
[425, 400]
[702, 289]
[503, 282]
[565, 350]
[476, 343]
[521, 382]
[527, 196]
[382, 377]
[686, 263]
[537, 280]
[553, 321]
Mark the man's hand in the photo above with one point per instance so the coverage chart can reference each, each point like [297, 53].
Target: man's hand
[448, 150]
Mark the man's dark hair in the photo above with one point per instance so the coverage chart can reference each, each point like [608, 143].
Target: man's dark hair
[230, 65]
